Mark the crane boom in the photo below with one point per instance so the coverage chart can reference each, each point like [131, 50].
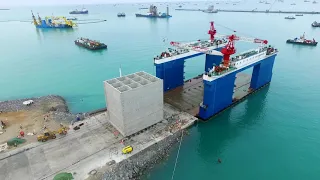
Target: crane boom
[227, 51]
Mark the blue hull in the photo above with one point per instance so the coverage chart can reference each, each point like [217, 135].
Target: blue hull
[151, 16]
[54, 27]
[218, 93]
[84, 12]
[60, 26]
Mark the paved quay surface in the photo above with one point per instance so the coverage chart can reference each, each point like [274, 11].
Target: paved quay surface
[81, 151]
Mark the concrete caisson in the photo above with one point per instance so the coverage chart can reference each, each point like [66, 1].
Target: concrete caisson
[134, 102]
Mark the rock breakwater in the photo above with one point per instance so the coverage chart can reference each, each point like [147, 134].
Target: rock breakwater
[135, 166]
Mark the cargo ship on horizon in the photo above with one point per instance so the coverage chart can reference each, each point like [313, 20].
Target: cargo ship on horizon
[83, 11]
[153, 13]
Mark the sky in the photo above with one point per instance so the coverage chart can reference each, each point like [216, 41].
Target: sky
[4, 3]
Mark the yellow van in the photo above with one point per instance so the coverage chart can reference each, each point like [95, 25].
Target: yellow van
[127, 149]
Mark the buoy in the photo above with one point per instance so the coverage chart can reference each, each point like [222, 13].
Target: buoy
[21, 133]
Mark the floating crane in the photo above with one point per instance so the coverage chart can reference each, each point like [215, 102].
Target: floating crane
[52, 22]
[226, 51]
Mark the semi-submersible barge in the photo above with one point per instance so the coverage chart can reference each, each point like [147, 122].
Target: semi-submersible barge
[223, 82]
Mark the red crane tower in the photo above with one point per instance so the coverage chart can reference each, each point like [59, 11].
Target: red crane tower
[212, 31]
[229, 49]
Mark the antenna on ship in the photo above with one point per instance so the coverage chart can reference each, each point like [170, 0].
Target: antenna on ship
[120, 72]
[167, 10]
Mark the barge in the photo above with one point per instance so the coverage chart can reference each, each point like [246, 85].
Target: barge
[222, 84]
[302, 41]
[90, 44]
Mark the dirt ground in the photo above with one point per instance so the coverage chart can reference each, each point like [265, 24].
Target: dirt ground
[30, 121]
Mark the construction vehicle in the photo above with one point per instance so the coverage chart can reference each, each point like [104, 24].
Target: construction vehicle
[46, 136]
[63, 130]
[127, 149]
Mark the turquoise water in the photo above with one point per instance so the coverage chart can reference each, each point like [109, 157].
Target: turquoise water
[272, 135]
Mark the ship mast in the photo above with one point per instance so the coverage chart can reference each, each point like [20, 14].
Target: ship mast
[39, 18]
[34, 19]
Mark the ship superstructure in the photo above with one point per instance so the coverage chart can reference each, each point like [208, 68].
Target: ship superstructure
[153, 13]
[210, 9]
[52, 22]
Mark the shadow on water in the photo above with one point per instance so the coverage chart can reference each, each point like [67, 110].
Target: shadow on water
[301, 47]
[218, 132]
[99, 52]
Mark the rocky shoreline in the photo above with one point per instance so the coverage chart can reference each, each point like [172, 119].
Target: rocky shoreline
[53, 104]
[137, 165]
[17, 105]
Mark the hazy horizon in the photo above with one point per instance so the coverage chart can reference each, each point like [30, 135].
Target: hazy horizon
[80, 2]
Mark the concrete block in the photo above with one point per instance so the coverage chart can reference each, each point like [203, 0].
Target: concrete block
[134, 102]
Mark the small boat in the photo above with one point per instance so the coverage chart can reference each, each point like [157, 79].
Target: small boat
[315, 24]
[306, 1]
[299, 14]
[290, 17]
[121, 15]
[314, 2]
[90, 44]
[72, 18]
[302, 41]
[180, 6]
[293, 4]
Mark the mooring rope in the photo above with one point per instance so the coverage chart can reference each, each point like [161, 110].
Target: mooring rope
[92, 22]
[175, 165]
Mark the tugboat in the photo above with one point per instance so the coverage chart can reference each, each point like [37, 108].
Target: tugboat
[121, 15]
[83, 11]
[90, 44]
[315, 24]
[302, 41]
[72, 18]
[290, 17]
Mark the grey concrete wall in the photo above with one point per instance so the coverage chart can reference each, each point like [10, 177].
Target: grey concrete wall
[134, 102]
